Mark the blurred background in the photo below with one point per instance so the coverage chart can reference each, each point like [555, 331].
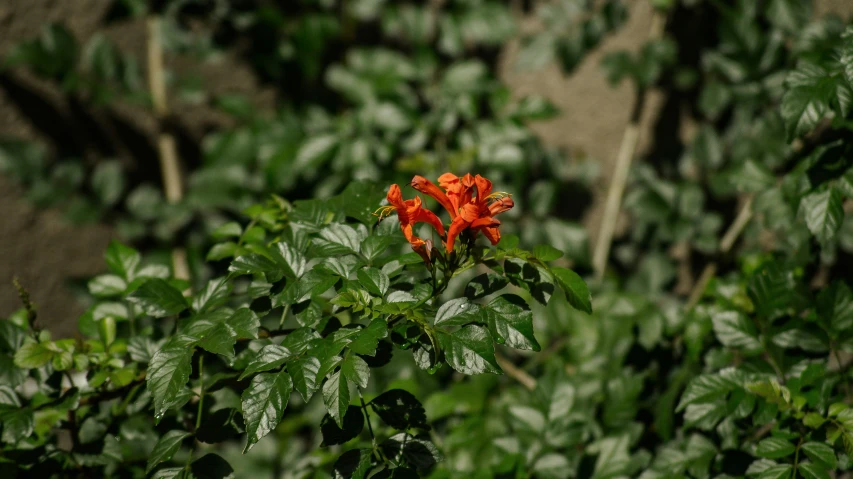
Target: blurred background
[293, 98]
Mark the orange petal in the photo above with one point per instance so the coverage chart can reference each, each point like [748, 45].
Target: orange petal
[484, 188]
[423, 215]
[447, 179]
[427, 187]
[485, 222]
[456, 227]
[469, 212]
[395, 198]
[501, 205]
[493, 234]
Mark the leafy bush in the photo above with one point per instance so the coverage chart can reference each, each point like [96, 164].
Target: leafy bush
[719, 344]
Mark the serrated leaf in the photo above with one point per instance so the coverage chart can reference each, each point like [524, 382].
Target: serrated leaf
[269, 357]
[469, 350]
[313, 283]
[211, 466]
[158, 298]
[417, 451]
[824, 213]
[802, 109]
[811, 470]
[344, 236]
[484, 285]
[735, 330]
[336, 397]
[400, 409]
[366, 341]
[253, 263]
[107, 285]
[835, 306]
[122, 260]
[165, 449]
[334, 435]
[356, 370]
[781, 471]
[214, 294]
[775, 448]
[354, 464]
[18, 424]
[374, 281]
[546, 253]
[820, 453]
[263, 404]
[706, 388]
[577, 292]
[456, 312]
[511, 322]
[168, 373]
[304, 373]
[32, 355]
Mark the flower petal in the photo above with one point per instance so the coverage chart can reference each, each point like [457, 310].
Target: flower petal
[427, 187]
[456, 227]
[501, 205]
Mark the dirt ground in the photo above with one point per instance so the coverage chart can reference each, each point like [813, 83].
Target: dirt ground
[46, 252]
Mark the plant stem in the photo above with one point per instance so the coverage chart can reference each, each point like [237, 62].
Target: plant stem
[623, 165]
[201, 391]
[166, 145]
[726, 244]
[515, 372]
[283, 316]
[131, 318]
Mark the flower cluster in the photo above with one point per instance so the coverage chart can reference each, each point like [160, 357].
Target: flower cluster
[469, 200]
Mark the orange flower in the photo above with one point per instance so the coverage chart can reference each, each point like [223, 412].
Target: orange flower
[411, 212]
[467, 210]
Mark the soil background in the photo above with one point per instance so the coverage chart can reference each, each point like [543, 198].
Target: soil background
[47, 253]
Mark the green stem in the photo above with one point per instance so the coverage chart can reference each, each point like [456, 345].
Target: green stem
[283, 316]
[797, 459]
[131, 318]
[201, 390]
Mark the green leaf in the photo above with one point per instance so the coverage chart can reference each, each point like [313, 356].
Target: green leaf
[344, 236]
[108, 182]
[356, 370]
[353, 425]
[253, 264]
[314, 152]
[122, 260]
[484, 285]
[312, 284]
[269, 357]
[780, 471]
[706, 388]
[304, 373]
[32, 355]
[168, 373]
[211, 466]
[336, 397]
[417, 451]
[221, 251]
[735, 330]
[263, 404]
[546, 253]
[789, 15]
[158, 298]
[821, 453]
[374, 281]
[168, 473]
[231, 229]
[400, 409]
[802, 109]
[772, 289]
[354, 464]
[165, 449]
[107, 285]
[367, 340]
[360, 199]
[214, 295]
[469, 350]
[18, 424]
[775, 448]
[811, 470]
[835, 306]
[814, 420]
[511, 322]
[456, 312]
[824, 213]
[575, 288]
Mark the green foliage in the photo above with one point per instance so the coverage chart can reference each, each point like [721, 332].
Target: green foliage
[309, 315]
